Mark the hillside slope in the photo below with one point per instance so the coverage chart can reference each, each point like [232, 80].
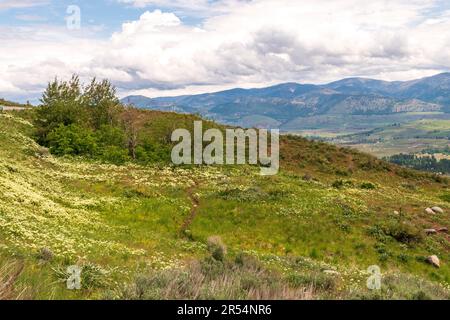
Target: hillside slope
[319, 224]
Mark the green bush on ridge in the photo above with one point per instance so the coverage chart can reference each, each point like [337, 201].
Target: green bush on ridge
[90, 121]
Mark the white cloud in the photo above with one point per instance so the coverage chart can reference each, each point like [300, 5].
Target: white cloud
[251, 43]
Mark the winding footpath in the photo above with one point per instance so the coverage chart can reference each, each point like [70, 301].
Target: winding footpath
[195, 204]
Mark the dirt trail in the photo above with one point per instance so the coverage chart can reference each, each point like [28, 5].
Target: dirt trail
[195, 204]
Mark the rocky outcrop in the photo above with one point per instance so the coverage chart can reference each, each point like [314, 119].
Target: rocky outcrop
[434, 260]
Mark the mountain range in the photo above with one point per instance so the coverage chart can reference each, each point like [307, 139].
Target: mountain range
[293, 106]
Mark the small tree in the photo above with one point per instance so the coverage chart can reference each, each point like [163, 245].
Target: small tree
[133, 120]
[100, 99]
[61, 104]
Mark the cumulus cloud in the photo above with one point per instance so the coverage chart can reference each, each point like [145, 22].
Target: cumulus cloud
[250, 43]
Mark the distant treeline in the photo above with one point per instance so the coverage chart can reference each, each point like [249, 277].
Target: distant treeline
[7, 103]
[445, 150]
[424, 163]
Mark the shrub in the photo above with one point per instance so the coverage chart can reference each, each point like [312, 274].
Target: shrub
[247, 195]
[316, 280]
[404, 258]
[151, 152]
[72, 140]
[342, 173]
[368, 186]
[114, 155]
[216, 248]
[212, 279]
[445, 197]
[92, 276]
[110, 136]
[409, 186]
[403, 232]
[45, 254]
[402, 287]
[246, 260]
[339, 184]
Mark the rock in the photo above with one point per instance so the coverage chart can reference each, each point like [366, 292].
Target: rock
[437, 210]
[429, 211]
[434, 260]
[396, 213]
[442, 230]
[430, 231]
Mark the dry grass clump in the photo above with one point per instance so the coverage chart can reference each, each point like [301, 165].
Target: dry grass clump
[216, 277]
[217, 248]
[9, 273]
[212, 279]
[402, 287]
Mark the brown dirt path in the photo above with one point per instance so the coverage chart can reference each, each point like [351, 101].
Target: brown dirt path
[195, 204]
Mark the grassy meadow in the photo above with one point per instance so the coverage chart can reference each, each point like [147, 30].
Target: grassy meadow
[310, 232]
[408, 138]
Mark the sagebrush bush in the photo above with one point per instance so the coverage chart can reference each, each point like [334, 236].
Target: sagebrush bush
[217, 248]
[236, 194]
[339, 184]
[402, 231]
[316, 280]
[45, 254]
[212, 279]
[367, 186]
[92, 276]
[402, 287]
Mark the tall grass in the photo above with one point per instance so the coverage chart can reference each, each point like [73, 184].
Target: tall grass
[241, 278]
[8, 277]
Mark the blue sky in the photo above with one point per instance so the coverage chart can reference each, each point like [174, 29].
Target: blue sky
[108, 14]
[171, 47]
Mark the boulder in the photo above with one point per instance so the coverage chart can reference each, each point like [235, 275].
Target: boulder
[430, 231]
[437, 210]
[396, 213]
[429, 211]
[434, 260]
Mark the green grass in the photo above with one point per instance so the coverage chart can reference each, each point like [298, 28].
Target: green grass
[411, 137]
[120, 222]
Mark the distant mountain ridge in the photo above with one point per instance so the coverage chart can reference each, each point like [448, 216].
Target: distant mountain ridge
[283, 104]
